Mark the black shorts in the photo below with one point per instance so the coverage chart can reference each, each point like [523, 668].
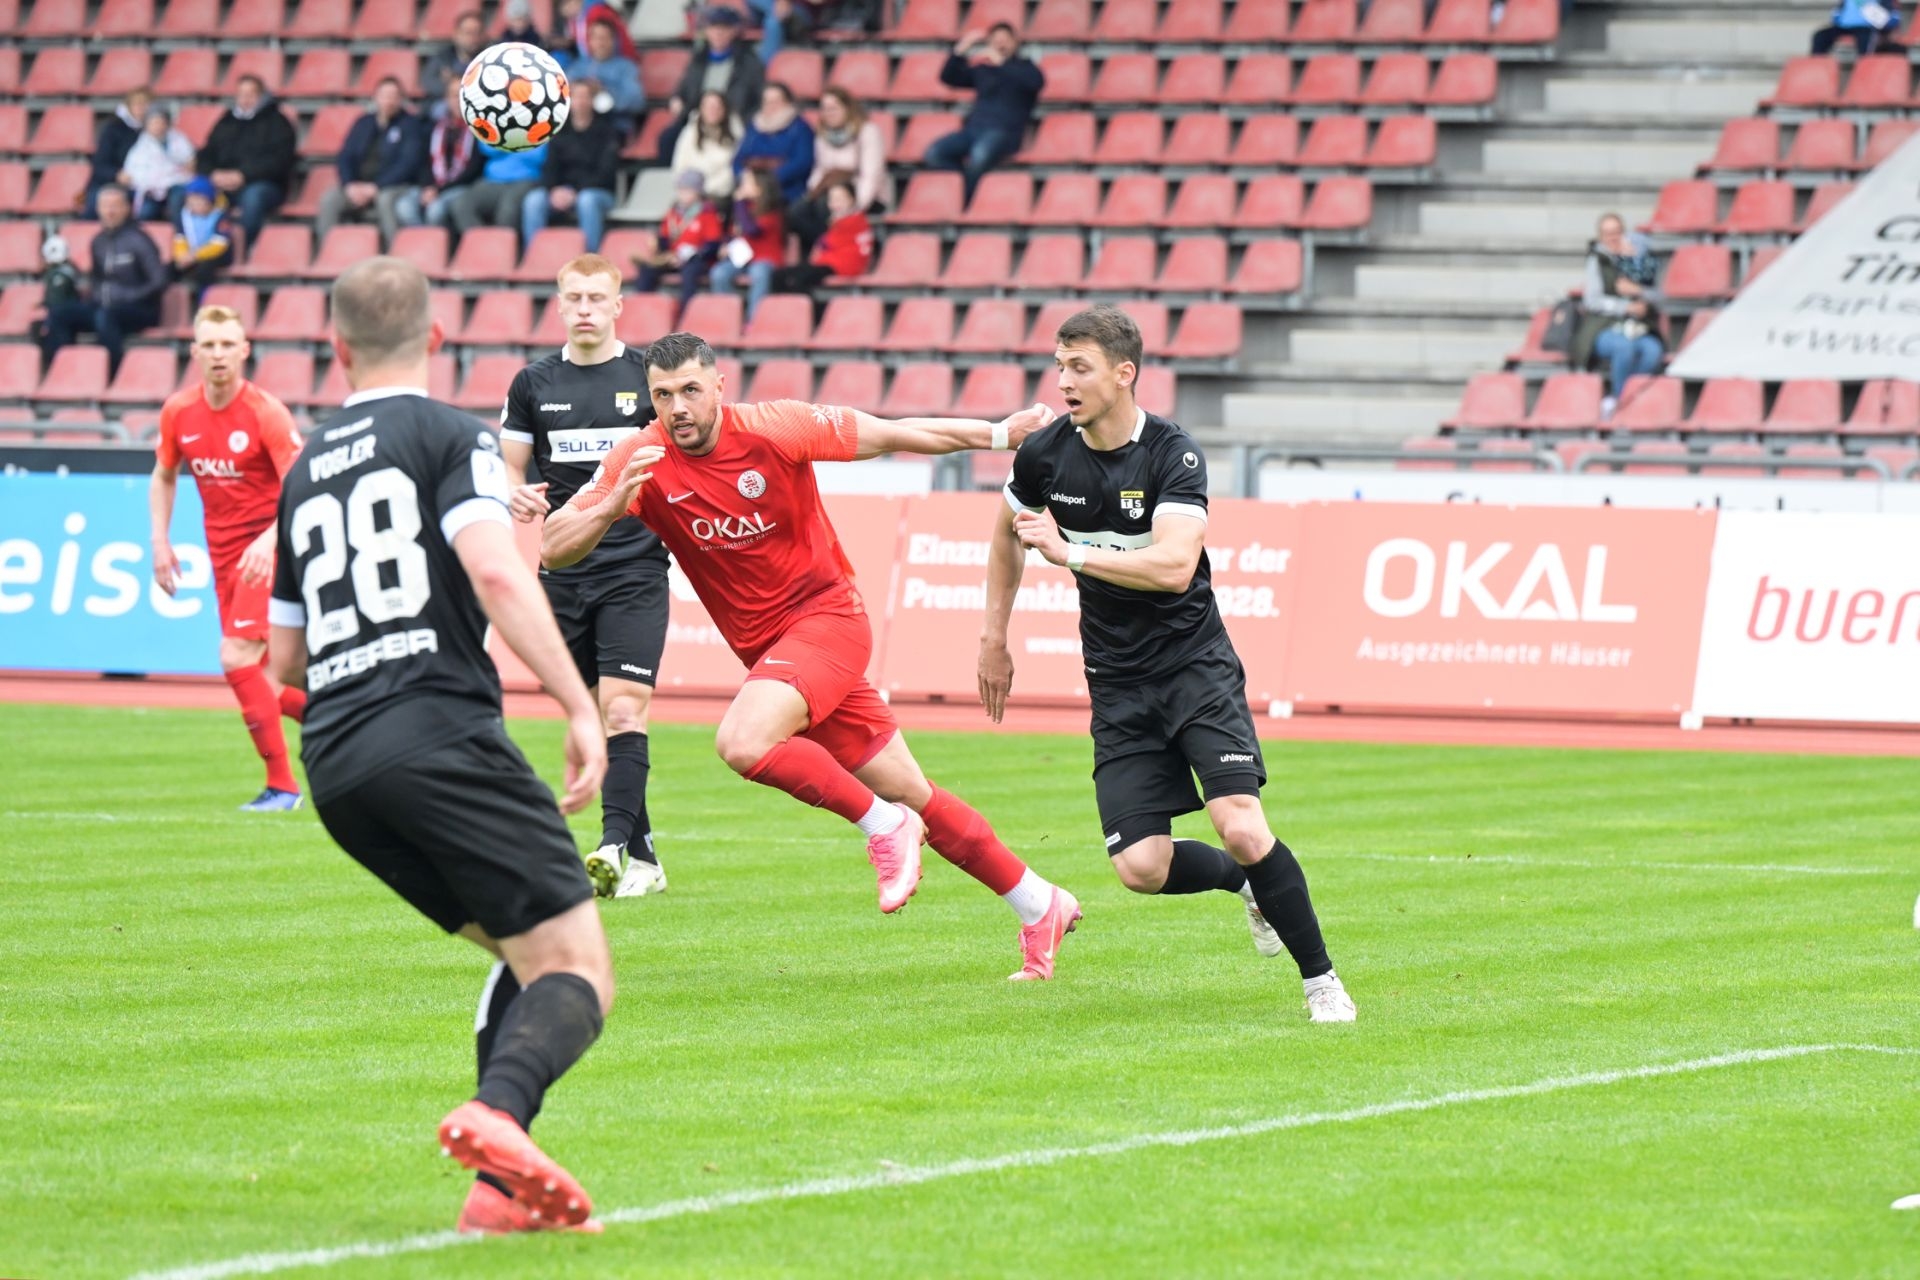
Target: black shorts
[465, 832]
[614, 626]
[1149, 740]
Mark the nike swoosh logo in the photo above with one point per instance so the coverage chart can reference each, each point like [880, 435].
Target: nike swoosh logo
[679, 497]
[243, 622]
[188, 439]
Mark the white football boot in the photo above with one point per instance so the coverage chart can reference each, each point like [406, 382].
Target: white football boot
[605, 867]
[1265, 940]
[641, 879]
[1327, 1000]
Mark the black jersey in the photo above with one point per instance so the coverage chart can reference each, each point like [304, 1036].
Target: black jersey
[1110, 499]
[396, 651]
[572, 415]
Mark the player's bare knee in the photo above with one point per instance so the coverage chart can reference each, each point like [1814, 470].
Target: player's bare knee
[627, 713]
[1141, 867]
[1247, 842]
[741, 748]
[236, 654]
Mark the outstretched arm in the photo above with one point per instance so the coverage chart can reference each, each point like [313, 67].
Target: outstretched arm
[875, 436]
[575, 529]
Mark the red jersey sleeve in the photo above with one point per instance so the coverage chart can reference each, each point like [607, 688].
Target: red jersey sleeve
[277, 431]
[802, 432]
[166, 446]
[596, 490]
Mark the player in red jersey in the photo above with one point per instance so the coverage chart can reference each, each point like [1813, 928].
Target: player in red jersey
[238, 441]
[730, 490]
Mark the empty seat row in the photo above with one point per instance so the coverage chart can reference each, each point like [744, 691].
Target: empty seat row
[1206, 202]
[1244, 22]
[1663, 457]
[1144, 138]
[62, 72]
[1690, 207]
[1754, 145]
[1571, 402]
[370, 20]
[1876, 82]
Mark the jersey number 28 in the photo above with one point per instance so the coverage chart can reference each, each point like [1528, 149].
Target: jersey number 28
[373, 549]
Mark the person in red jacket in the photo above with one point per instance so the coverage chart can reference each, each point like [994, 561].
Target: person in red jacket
[845, 250]
[759, 244]
[688, 243]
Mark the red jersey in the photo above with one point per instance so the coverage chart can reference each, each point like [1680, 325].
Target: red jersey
[847, 247]
[683, 233]
[745, 522]
[237, 456]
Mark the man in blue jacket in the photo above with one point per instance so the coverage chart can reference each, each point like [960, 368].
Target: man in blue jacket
[124, 285]
[1005, 88]
[494, 201]
[616, 74]
[383, 158]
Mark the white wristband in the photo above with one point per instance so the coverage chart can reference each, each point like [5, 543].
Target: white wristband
[999, 435]
[1076, 557]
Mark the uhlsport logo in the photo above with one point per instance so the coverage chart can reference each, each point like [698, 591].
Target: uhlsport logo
[752, 484]
[1402, 573]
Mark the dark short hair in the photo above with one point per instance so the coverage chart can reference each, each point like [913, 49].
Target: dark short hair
[115, 188]
[676, 349]
[784, 91]
[1003, 26]
[471, 13]
[384, 81]
[381, 311]
[255, 80]
[1106, 327]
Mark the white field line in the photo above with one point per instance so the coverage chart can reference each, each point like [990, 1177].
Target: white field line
[1598, 864]
[55, 815]
[261, 1264]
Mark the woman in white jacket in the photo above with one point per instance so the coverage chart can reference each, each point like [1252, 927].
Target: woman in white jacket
[708, 144]
[160, 160]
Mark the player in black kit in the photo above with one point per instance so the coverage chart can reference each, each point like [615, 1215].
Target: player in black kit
[395, 551]
[1119, 496]
[563, 413]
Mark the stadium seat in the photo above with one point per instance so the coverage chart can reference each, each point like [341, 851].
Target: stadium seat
[1125, 265]
[644, 317]
[320, 73]
[1662, 458]
[1132, 139]
[865, 73]
[1001, 199]
[1404, 142]
[283, 250]
[1326, 22]
[1806, 405]
[1208, 331]
[1152, 318]
[551, 249]
[186, 72]
[424, 247]
[1200, 138]
[923, 129]
[1823, 144]
[1650, 403]
[1052, 261]
[1256, 24]
[175, 322]
[320, 20]
[1492, 401]
[1193, 22]
[397, 24]
[908, 260]
[1274, 202]
[196, 120]
[992, 391]
[1572, 452]
[58, 193]
[266, 63]
[1393, 22]
[295, 313]
[1825, 197]
[1746, 145]
[1763, 257]
[1193, 80]
[919, 390]
[54, 18]
[20, 249]
[1887, 137]
[1067, 21]
[1728, 404]
[345, 245]
[1897, 458]
[1434, 445]
[715, 317]
[1723, 452]
[852, 383]
[1886, 406]
[64, 130]
[288, 375]
[9, 70]
[804, 71]
[1328, 80]
[488, 380]
[1195, 264]
[327, 131]
[78, 373]
[146, 376]
[1567, 402]
[1687, 207]
[449, 307]
[1067, 200]
[18, 302]
[1529, 22]
[1822, 452]
[1808, 81]
[120, 71]
[927, 20]
[784, 322]
[1397, 80]
[1267, 141]
[1046, 324]
[1156, 388]
[1125, 22]
[1878, 81]
[980, 260]
[1760, 209]
[917, 78]
[849, 324]
[485, 253]
[1530, 351]
[1259, 79]
[19, 367]
[55, 73]
[1134, 200]
[1335, 142]
[501, 318]
[190, 19]
[1464, 80]
[549, 331]
[930, 199]
[781, 380]
[1270, 266]
[1460, 22]
[314, 185]
[993, 326]
[1127, 79]
[1069, 76]
[401, 64]
[1699, 272]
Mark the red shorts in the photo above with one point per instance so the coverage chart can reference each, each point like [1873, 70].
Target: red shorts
[824, 657]
[243, 608]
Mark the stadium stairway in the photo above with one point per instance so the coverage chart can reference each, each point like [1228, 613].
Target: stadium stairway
[1453, 268]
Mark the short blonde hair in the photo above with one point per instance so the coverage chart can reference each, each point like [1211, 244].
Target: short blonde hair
[589, 264]
[217, 315]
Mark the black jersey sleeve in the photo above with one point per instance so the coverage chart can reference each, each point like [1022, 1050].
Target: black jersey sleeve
[470, 483]
[516, 415]
[1180, 481]
[1027, 482]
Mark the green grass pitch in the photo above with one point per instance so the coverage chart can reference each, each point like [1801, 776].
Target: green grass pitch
[220, 1038]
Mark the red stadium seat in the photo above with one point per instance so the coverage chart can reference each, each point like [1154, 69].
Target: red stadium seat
[1134, 200]
[1491, 401]
[865, 73]
[803, 71]
[1673, 458]
[501, 318]
[1460, 22]
[424, 247]
[1823, 144]
[1428, 445]
[1824, 452]
[1687, 206]
[400, 64]
[55, 18]
[1269, 266]
[1259, 79]
[992, 391]
[1697, 324]
[1052, 261]
[1530, 351]
[920, 324]
[327, 131]
[314, 185]
[55, 73]
[1267, 141]
[1397, 80]
[1326, 22]
[1650, 404]
[1806, 404]
[1156, 389]
[931, 199]
[1809, 81]
[980, 260]
[1127, 78]
[320, 20]
[1208, 331]
[286, 375]
[19, 367]
[1886, 406]
[9, 69]
[295, 313]
[1133, 138]
[65, 130]
[1194, 22]
[1825, 197]
[18, 302]
[59, 191]
[919, 390]
[194, 19]
[146, 376]
[849, 324]
[923, 129]
[661, 69]
[1328, 79]
[1194, 79]
[399, 24]
[196, 120]
[927, 20]
[917, 79]
[76, 374]
[1200, 138]
[1067, 200]
[320, 73]
[784, 322]
[715, 317]
[854, 384]
[1153, 321]
[1335, 142]
[992, 326]
[1001, 199]
[781, 380]
[1063, 20]
[1529, 22]
[1728, 404]
[449, 307]
[1763, 257]
[644, 317]
[1896, 457]
[1887, 137]
[488, 380]
[1760, 209]
[908, 260]
[1256, 24]
[119, 72]
[551, 249]
[1404, 142]
[283, 250]
[267, 64]
[1046, 325]
[1699, 271]
[485, 253]
[1567, 402]
[1724, 451]
[1879, 80]
[1069, 77]
[1393, 22]
[1273, 203]
[1195, 264]
[548, 331]
[1126, 22]
[1125, 265]
[1465, 80]
[1746, 145]
[344, 246]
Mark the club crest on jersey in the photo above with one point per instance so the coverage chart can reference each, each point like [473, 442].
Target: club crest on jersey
[237, 441]
[1133, 502]
[752, 484]
[627, 402]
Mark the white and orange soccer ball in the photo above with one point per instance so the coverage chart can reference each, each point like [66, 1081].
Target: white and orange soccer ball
[514, 96]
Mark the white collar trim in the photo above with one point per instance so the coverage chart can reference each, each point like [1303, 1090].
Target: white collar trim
[566, 353]
[1139, 426]
[381, 393]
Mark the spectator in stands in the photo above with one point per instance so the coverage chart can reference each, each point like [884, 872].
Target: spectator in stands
[453, 164]
[709, 143]
[115, 139]
[572, 23]
[123, 288]
[1870, 24]
[494, 201]
[759, 244]
[616, 73]
[845, 250]
[721, 63]
[1620, 325]
[202, 238]
[157, 166]
[582, 166]
[250, 155]
[688, 243]
[1006, 86]
[846, 148]
[779, 142]
[447, 65]
[59, 283]
[379, 163]
[520, 27]
[781, 21]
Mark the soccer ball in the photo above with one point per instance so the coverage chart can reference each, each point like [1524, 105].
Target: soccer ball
[514, 96]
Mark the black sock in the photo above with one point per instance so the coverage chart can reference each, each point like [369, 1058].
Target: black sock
[1280, 890]
[499, 992]
[545, 1031]
[623, 796]
[1198, 867]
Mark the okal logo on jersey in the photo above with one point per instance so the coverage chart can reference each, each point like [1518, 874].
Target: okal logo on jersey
[237, 441]
[1401, 575]
[752, 484]
[1133, 502]
[215, 468]
[627, 402]
[732, 528]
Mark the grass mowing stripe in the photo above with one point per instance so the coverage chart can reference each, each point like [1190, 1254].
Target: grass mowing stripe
[260, 1264]
[1611, 864]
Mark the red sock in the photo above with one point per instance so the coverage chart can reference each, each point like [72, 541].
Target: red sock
[802, 768]
[293, 703]
[962, 835]
[261, 711]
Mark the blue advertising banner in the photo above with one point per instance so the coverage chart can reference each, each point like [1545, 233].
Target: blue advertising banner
[76, 579]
